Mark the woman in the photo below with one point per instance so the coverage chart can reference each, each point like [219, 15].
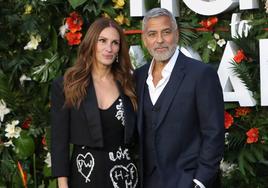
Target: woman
[93, 108]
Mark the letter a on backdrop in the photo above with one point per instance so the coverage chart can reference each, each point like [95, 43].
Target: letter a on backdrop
[233, 88]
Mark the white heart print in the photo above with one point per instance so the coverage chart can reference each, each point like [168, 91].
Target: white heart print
[85, 164]
[124, 177]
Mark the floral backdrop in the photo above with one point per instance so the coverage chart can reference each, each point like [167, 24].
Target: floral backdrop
[39, 40]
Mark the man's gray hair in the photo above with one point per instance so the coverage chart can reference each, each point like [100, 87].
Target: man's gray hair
[156, 12]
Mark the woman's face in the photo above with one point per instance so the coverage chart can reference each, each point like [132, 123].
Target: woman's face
[107, 47]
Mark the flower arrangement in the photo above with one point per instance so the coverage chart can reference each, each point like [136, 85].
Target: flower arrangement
[41, 40]
[247, 128]
[246, 138]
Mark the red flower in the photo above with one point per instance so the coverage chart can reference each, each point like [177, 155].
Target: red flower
[242, 111]
[44, 142]
[74, 22]
[240, 56]
[228, 120]
[253, 135]
[209, 23]
[26, 123]
[73, 38]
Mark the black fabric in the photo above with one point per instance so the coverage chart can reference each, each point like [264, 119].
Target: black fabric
[109, 166]
[149, 152]
[152, 177]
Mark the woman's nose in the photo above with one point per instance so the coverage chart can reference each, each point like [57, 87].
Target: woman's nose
[108, 47]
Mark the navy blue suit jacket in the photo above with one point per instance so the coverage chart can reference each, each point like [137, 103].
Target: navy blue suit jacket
[80, 126]
[189, 133]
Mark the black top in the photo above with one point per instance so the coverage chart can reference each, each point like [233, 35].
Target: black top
[110, 166]
[113, 123]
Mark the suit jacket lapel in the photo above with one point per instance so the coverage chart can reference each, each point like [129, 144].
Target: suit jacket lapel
[140, 92]
[172, 87]
[91, 110]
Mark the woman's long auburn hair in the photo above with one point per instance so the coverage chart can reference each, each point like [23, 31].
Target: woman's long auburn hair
[77, 77]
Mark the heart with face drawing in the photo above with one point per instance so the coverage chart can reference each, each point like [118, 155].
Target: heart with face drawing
[85, 164]
[124, 177]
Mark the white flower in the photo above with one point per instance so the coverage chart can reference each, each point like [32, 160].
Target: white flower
[226, 138]
[9, 143]
[43, 0]
[33, 43]
[48, 160]
[227, 168]
[221, 42]
[266, 6]
[11, 130]
[216, 36]
[3, 109]
[211, 48]
[63, 30]
[24, 78]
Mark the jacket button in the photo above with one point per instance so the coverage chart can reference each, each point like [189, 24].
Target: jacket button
[156, 109]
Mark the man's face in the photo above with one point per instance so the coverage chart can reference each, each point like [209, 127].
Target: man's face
[160, 38]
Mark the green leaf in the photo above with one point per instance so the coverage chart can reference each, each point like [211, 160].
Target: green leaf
[76, 3]
[258, 154]
[249, 155]
[54, 40]
[47, 171]
[52, 183]
[24, 146]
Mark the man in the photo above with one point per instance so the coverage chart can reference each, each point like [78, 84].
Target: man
[181, 111]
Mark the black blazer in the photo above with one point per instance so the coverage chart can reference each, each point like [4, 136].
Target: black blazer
[189, 132]
[80, 126]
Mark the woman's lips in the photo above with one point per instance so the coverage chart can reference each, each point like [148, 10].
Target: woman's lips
[108, 56]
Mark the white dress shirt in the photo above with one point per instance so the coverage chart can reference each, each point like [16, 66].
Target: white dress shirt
[155, 91]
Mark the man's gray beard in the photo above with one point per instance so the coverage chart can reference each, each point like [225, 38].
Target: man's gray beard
[163, 56]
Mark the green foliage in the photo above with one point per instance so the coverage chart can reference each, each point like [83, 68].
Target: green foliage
[76, 3]
[24, 146]
[26, 74]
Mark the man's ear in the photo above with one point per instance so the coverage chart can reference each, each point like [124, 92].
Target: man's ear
[178, 35]
[143, 40]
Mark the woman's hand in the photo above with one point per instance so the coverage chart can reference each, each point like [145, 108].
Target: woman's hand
[63, 182]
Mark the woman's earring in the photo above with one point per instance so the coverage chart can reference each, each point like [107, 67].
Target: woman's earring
[117, 59]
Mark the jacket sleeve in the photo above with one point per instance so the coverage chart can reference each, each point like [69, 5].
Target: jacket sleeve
[59, 131]
[210, 107]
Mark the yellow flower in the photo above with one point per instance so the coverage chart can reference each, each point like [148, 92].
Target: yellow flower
[28, 9]
[120, 19]
[105, 15]
[33, 43]
[119, 4]
[127, 22]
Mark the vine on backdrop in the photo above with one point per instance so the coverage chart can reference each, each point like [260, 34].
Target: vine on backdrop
[39, 41]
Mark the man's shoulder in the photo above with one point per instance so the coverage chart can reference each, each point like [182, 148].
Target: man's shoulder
[143, 69]
[195, 64]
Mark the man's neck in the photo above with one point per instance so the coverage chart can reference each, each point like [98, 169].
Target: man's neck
[157, 71]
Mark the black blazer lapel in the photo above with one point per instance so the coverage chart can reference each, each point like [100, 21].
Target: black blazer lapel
[92, 113]
[172, 87]
[141, 84]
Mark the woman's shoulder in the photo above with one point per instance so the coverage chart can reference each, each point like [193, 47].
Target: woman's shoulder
[58, 79]
[57, 84]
